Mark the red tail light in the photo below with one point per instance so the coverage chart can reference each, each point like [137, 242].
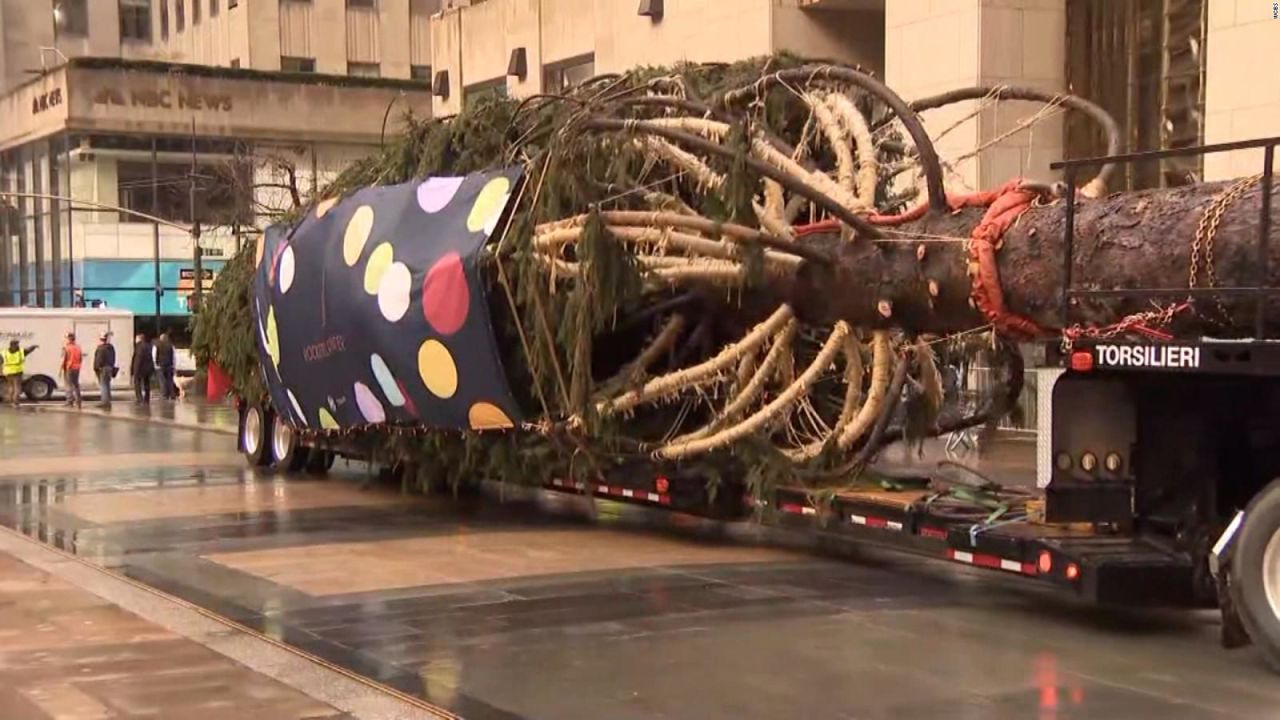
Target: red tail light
[662, 484]
[1082, 361]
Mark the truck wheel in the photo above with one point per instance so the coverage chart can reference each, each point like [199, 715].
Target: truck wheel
[39, 389]
[1255, 572]
[287, 453]
[319, 461]
[255, 428]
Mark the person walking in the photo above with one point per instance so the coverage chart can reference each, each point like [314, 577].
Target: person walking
[15, 364]
[104, 368]
[72, 359]
[164, 366]
[144, 368]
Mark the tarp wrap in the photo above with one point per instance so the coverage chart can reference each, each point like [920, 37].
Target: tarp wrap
[371, 310]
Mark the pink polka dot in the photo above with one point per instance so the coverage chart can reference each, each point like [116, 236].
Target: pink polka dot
[445, 295]
[368, 403]
[436, 192]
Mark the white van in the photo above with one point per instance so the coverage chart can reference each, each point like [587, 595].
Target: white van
[46, 328]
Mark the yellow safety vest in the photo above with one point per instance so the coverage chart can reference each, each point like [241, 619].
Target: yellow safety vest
[14, 361]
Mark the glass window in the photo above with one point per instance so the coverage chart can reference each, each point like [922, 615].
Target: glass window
[72, 17]
[213, 8]
[562, 76]
[297, 64]
[180, 14]
[135, 20]
[195, 12]
[362, 3]
[363, 69]
[420, 72]
[164, 19]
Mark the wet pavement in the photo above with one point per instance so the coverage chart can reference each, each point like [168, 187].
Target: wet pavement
[542, 610]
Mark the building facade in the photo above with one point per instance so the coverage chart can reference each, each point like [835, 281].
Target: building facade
[107, 164]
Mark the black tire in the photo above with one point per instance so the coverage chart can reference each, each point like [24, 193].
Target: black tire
[39, 388]
[1255, 573]
[255, 431]
[288, 454]
[319, 461]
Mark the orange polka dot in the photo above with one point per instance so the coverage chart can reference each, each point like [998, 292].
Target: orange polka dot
[325, 206]
[438, 371]
[487, 416]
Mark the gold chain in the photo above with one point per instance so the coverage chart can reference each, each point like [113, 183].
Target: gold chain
[1207, 232]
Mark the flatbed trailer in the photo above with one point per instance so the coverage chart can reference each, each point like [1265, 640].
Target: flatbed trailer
[1157, 475]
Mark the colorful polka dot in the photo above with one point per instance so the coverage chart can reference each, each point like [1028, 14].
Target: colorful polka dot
[437, 369]
[489, 203]
[326, 420]
[325, 206]
[436, 192]
[386, 380]
[273, 338]
[487, 416]
[286, 269]
[445, 296]
[369, 406]
[297, 408]
[393, 291]
[379, 260]
[357, 234]
[408, 401]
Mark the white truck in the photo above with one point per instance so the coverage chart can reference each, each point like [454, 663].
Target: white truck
[46, 328]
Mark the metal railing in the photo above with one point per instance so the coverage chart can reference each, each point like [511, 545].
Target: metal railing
[1261, 291]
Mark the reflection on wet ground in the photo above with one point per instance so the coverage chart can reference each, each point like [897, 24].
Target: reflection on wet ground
[510, 610]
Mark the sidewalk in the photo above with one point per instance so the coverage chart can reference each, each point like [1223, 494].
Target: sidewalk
[195, 414]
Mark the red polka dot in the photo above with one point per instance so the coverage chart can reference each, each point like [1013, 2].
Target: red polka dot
[445, 296]
[408, 401]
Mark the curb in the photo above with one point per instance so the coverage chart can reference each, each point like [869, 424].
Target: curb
[180, 424]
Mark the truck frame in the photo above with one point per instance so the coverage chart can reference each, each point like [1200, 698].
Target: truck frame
[1158, 466]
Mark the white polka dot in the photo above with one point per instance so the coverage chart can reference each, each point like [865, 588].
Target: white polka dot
[393, 291]
[297, 408]
[386, 380]
[286, 269]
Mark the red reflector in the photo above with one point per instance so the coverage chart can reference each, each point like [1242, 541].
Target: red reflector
[1082, 361]
[1045, 562]
[662, 484]
[1073, 571]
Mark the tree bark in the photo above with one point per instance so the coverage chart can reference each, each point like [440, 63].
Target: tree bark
[1127, 240]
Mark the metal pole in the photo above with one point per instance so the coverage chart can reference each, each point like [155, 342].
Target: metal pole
[198, 260]
[1264, 237]
[155, 210]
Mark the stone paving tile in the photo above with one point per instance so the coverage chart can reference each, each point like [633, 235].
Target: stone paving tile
[64, 653]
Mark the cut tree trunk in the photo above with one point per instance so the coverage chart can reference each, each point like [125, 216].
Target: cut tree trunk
[1127, 240]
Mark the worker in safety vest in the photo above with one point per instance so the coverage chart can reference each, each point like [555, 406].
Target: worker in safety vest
[15, 363]
[72, 360]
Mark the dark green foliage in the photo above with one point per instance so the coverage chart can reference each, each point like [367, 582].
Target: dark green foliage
[222, 331]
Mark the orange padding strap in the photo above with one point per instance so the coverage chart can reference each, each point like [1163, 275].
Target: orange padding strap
[1004, 206]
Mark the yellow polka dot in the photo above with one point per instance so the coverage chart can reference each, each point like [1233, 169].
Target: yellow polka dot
[439, 374]
[259, 250]
[488, 203]
[326, 420]
[325, 206]
[273, 338]
[487, 416]
[379, 260]
[357, 234]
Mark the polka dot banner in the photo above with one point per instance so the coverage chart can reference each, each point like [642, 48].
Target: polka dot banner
[357, 234]
[437, 369]
[379, 260]
[386, 381]
[368, 404]
[434, 194]
[489, 204]
[445, 295]
[393, 291]
[487, 416]
[287, 269]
